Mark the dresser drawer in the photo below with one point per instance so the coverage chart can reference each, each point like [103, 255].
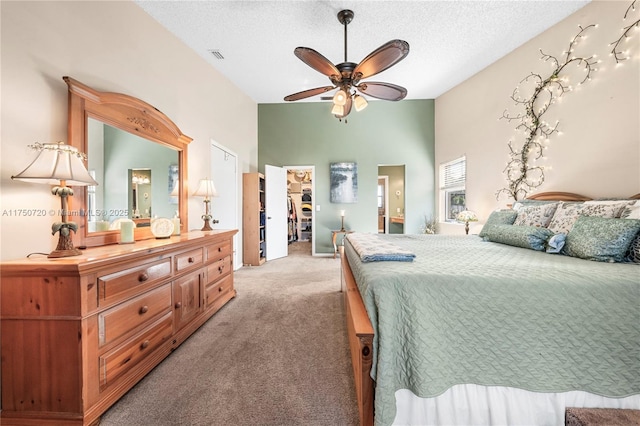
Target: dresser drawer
[119, 360]
[123, 284]
[219, 250]
[218, 289]
[189, 259]
[218, 269]
[129, 315]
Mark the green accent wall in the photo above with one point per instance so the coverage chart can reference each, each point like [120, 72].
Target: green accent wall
[385, 133]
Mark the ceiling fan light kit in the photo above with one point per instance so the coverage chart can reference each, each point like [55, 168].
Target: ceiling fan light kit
[346, 76]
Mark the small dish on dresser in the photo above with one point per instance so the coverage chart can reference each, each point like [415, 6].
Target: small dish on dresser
[162, 228]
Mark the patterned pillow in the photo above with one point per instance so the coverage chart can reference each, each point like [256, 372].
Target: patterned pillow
[567, 213]
[499, 217]
[631, 211]
[609, 208]
[601, 239]
[523, 203]
[564, 217]
[531, 237]
[633, 254]
[535, 215]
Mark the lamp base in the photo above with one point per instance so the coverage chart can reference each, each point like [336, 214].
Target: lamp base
[65, 248]
[466, 228]
[64, 253]
[207, 226]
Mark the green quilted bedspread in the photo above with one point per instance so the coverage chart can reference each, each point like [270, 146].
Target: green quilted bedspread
[469, 311]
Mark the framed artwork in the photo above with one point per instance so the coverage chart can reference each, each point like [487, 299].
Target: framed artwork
[173, 181]
[344, 182]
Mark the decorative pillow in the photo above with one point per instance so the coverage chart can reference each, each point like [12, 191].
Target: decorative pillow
[631, 211]
[564, 217]
[633, 254]
[555, 243]
[601, 239]
[535, 215]
[522, 203]
[499, 217]
[608, 208]
[531, 237]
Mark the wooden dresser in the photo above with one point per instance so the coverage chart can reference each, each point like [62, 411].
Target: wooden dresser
[79, 332]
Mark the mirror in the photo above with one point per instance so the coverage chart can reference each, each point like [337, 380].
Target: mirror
[123, 137]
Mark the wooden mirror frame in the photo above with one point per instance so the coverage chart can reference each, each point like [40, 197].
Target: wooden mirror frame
[133, 116]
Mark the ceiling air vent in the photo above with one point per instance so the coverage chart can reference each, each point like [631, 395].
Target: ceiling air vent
[216, 53]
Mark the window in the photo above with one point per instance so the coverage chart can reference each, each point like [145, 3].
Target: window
[453, 177]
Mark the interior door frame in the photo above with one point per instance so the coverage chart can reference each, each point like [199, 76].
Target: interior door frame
[386, 202]
[237, 238]
[313, 202]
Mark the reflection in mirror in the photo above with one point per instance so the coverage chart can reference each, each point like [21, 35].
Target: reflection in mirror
[139, 194]
[123, 163]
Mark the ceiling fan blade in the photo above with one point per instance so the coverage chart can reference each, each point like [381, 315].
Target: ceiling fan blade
[308, 93]
[386, 91]
[318, 62]
[380, 59]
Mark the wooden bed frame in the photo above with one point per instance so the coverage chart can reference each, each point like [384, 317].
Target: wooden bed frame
[360, 330]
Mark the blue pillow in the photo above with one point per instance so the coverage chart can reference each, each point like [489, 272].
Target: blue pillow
[601, 239]
[499, 217]
[531, 237]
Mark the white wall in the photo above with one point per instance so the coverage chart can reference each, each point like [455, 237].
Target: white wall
[598, 154]
[110, 46]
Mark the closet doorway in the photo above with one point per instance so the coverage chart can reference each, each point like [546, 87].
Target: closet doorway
[302, 207]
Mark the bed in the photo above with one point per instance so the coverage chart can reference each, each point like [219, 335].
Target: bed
[475, 332]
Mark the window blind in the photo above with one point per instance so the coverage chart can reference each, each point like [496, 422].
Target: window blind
[454, 173]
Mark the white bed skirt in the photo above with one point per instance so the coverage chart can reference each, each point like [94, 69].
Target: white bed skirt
[471, 405]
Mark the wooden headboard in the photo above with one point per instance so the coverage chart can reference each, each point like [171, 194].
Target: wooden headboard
[567, 196]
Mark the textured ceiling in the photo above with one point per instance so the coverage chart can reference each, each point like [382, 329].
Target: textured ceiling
[450, 40]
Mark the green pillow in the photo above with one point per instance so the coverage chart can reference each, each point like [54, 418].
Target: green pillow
[499, 217]
[601, 239]
[531, 237]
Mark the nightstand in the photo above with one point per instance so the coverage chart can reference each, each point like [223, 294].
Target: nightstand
[334, 237]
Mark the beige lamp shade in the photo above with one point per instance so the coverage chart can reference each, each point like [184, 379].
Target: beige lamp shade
[56, 162]
[206, 189]
[467, 216]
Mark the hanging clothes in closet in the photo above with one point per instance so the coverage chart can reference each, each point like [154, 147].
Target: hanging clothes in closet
[292, 222]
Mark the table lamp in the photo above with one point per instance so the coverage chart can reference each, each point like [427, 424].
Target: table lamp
[206, 189]
[342, 217]
[60, 165]
[467, 216]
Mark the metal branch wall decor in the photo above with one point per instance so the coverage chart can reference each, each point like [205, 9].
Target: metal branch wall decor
[523, 174]
[618, 54]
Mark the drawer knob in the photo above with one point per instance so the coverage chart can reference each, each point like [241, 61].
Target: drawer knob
[144, 344]
[191, 260]
[143, 277]
[220, 268]
[144, 310]
[178, 305]
[220, 289]
[219, 249]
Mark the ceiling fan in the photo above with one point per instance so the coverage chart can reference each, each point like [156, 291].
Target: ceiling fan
[348, 76]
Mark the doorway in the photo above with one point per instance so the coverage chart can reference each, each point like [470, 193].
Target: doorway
[224, 207]
[301, 202]
[394, 177]
[383, 204]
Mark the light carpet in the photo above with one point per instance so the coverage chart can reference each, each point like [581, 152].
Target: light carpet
[277, 354]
